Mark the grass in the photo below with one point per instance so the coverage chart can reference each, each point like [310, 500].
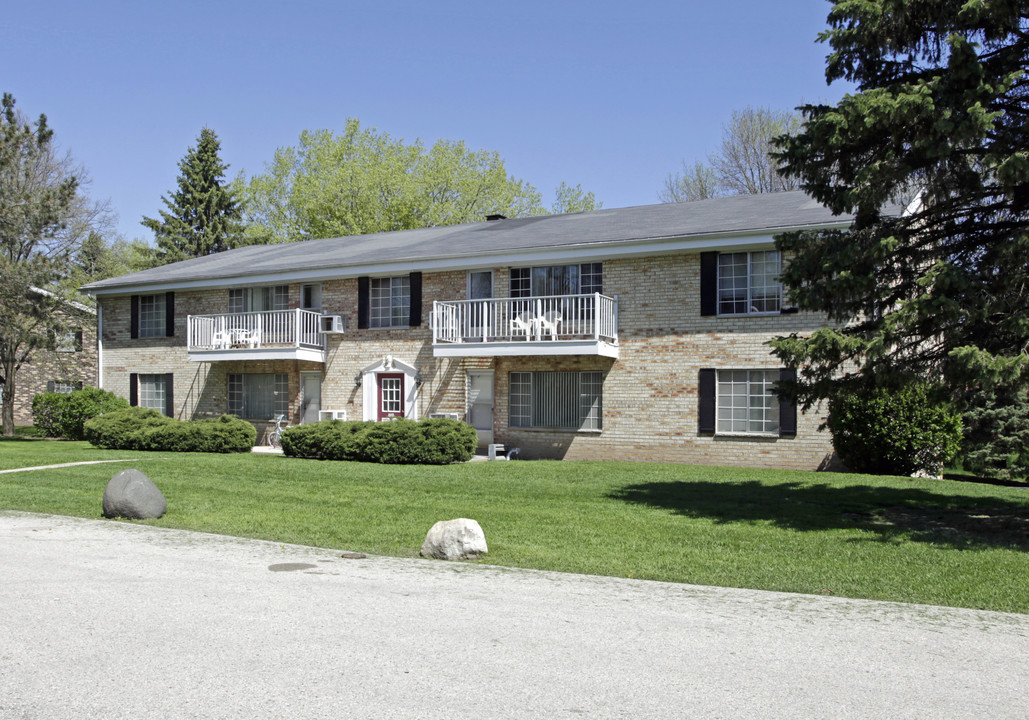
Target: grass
[942, 542]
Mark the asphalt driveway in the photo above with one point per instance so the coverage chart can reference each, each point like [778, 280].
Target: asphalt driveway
[102, 619]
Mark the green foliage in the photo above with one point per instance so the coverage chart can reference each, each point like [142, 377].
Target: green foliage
[570, 199]
[38, 196]
[204, 214]
[996, 418]
[743, 164]
[363, 181]
[940, 115]
[894, 431]
[63, 415]
[137, 428]
[435, 441]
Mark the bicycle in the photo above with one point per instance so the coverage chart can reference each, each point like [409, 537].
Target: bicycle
[275, 436]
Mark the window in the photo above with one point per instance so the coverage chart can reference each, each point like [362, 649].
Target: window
[258, 395]
[63, 386]
[747, 403]
[311, 297]
[562, 400]
[389, 302]
[556, 280]
[153, 392]
[259, 299]
[747, 283]
[69, 341]
[152, 316]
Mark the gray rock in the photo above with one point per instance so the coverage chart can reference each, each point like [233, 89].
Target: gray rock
[131, 494]
[458, 539]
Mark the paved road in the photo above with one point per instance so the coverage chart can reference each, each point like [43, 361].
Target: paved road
[108, 620]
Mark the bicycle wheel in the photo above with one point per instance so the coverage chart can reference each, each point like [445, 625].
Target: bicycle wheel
[273, 438]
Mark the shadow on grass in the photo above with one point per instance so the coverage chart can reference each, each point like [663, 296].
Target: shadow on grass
[891, 514]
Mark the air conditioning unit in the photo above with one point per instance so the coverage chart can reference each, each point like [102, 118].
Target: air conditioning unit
[444, 416]
[331, 324]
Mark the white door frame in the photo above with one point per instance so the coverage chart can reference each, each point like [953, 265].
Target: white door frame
[308, 373]
[485, 436]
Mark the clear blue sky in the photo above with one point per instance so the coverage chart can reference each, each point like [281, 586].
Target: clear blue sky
[612, 95]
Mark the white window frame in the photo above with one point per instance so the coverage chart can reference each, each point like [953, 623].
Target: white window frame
[746, 404]
[153, 316]
[525, 281]
[152, 391]
[68, 341]
[758, 285]
[389, 302]
[532, 397]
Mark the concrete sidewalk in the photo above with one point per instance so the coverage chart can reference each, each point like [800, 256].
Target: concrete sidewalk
[108, 620]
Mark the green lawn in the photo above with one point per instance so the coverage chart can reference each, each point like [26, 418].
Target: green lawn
[929, 541]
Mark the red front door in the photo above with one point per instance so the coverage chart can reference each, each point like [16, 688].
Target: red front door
[391, 396]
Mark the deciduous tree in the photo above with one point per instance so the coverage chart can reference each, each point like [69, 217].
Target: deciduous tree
[363, 181]
[38, 198]
[743, 164]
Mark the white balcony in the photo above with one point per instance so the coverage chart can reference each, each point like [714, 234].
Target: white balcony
[272, 335]
[552, 325]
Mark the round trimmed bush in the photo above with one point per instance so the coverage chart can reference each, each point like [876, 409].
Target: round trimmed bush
[138, 428]
[64, 415]
[886, 431]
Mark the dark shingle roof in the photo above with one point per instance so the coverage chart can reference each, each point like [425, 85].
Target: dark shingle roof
[743, 214]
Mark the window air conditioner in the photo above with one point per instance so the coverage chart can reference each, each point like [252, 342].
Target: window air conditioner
[444, 416]
[331, 324]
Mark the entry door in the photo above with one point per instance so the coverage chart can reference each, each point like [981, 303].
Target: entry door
[480, 405]
[391, 395]
[480, 287]
[310, 396]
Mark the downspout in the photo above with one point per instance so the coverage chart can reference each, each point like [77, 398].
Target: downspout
[99, 346]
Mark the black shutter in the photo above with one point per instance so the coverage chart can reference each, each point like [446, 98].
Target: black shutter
[706, 402]
[169, 396]
[134, 317]
[49, 385]
[169, 314]
[78, 341]
[78, 385]
[415, 285]
[133, 389]
[363, 303]
[787, 408]
[708, 283]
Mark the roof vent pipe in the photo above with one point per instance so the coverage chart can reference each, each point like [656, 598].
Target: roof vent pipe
[491, 218]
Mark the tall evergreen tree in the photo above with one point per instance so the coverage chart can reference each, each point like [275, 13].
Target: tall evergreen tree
[940, 291]
[204, 215]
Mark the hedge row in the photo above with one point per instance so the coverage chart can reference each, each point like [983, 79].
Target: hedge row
[64, 415]
[435, 441]
[138, 428]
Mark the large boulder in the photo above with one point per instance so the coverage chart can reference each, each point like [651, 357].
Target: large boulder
[458, 539]
[131, 494]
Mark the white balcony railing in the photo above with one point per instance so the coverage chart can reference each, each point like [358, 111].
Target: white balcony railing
[555, 318]
[252, 330]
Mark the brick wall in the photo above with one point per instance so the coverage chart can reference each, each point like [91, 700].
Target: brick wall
[650, 394]
[45, 366]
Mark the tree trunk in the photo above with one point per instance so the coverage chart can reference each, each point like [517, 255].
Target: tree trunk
[8, 407]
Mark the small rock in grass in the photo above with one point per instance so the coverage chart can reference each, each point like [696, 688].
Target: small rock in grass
[458, 539]
[131, 494]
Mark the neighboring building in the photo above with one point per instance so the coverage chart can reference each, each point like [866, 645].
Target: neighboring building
[630, 334]
[71, 365]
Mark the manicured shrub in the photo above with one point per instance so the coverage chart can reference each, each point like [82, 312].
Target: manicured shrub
[225, 434]
[138, 428]
[64, 414]
[398, 442]
[894, 431]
